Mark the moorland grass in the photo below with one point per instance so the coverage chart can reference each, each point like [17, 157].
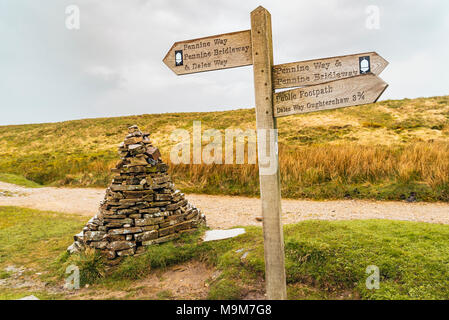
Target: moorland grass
[18, 180]
[34, 240]
[384, 151]
[29, 237]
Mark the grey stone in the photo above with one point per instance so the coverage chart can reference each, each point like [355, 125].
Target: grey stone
[93, 235]
[212, 235]
[148, 221]
[74, 247]
[29, 298]
[99, 244]
[125, 231]
[121, 245]
[125, 253]
[172, 236]
[148, 235]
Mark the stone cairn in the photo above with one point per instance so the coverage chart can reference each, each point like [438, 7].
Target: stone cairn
[141, 206]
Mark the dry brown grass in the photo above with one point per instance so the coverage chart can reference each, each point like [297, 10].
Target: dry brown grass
[337, 165]
[383, 151]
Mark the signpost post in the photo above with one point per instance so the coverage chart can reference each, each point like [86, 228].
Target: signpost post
[323, 84]
[269, 180]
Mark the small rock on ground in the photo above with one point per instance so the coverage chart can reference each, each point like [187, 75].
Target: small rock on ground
[29, 298]
[212, 235]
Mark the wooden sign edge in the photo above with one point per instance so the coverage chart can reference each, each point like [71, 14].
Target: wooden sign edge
[362, 75]
[202, 38]
[344, 56]
[380, 94]
[203, 71]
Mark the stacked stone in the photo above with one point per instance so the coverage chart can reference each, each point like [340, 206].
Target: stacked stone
[141, 206]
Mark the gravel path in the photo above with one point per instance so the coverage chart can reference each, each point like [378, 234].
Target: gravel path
[224, 211]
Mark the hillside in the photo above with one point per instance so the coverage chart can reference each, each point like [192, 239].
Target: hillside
[389, 150]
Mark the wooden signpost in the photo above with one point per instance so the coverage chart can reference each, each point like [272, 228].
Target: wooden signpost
[270, 186]
[306, 73]
[211, 53]
[324, 84]
[332, 95]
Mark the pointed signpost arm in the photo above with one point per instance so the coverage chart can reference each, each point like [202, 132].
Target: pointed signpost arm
[317, 71]
[270, 193]
[342, 93]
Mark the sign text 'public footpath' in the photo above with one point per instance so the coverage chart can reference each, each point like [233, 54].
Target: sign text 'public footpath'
[332, 95]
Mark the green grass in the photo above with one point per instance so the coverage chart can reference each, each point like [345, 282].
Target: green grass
[334, 256]
[18, 180]
[324, 259]
[15, 294]
[29, 237]
[225, 289]
[4, 274]
[34, 239]
[165, 295]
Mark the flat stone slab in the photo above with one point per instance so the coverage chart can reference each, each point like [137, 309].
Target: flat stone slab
[30, 298]
[213, 235]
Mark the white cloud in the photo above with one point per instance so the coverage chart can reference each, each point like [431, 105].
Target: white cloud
[113, 64]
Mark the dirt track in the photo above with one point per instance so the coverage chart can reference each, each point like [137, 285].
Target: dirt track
[224, 211]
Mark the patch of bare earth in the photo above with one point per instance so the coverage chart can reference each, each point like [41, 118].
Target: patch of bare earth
[27, 279]
[189, 281]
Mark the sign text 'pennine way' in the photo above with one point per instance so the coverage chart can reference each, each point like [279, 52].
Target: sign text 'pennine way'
[211, 53]
[311, 72]
[332, 95]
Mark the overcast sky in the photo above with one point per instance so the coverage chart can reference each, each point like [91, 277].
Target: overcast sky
[112, 65]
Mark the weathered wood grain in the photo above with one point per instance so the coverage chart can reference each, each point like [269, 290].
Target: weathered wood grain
[336, 94]
[210, 53]
[311, 72]
[270, 191]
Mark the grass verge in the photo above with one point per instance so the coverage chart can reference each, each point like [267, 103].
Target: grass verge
[18, 180]
[31, 238]
[324, 259]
